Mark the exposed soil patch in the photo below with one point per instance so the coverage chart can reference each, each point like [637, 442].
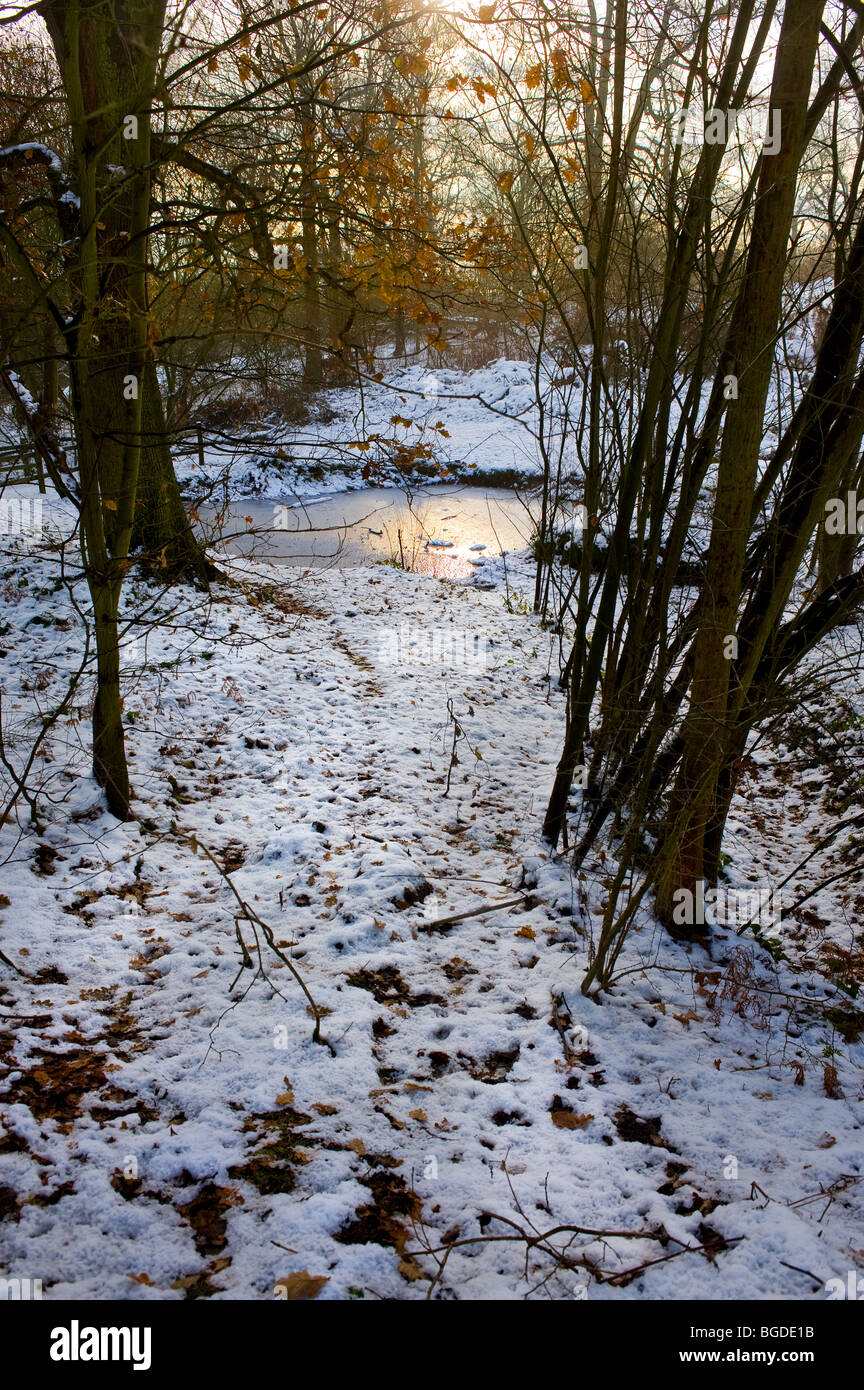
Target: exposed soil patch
[387, 987]
[410, 893]
[8, 1203]
[375, 1222]
[636, 1130]
[206, 1214]
[271, 1167]
[494, 1068]
[510, 1117]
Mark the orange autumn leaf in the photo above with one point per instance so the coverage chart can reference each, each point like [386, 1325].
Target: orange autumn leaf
[567, 1119]
[300, 1284]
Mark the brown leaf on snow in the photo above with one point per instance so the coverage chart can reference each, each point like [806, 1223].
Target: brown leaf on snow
[566, 1119]
[418, 1115]
[300, 1284]
[141, 1279]
[526, 932]
[54, 1087]
[322, 1109]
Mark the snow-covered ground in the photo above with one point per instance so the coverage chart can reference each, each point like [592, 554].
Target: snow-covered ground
[481, 423]
[171, 1130]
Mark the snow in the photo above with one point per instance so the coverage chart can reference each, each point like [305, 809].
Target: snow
[482, 421]
[24, 396]
[35, 146]
[310, 755]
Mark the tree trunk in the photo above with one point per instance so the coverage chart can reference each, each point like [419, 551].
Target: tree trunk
[707, 735]
[108, 59]
[313, 362]
[162, 529]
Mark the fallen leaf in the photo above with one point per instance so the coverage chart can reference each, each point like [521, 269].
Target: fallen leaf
[567, 1119]
[526, 932]
[299, 1285]
[418, 1115]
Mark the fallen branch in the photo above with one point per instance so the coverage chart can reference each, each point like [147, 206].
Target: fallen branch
[252, 916]
[474, 912]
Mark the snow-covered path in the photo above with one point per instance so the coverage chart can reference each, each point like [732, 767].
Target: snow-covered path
[165, 1138]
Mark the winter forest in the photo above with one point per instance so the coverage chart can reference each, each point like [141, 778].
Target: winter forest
[431, 654]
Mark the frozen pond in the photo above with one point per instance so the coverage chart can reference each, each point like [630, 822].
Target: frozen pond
[443, 529]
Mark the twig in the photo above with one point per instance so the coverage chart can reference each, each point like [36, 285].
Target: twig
[12, 966]
[474, 912]
[808, 1272]
[252, 916]
[629, 1274]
